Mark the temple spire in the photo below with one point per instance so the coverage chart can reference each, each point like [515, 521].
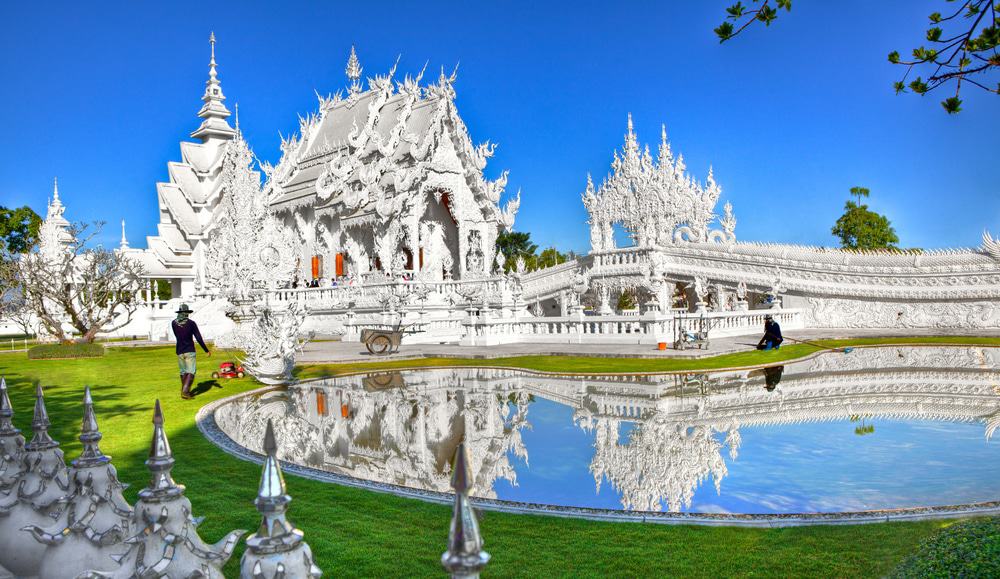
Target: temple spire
[55, 191]
[123, 244]
[353, 72]
[213, 112]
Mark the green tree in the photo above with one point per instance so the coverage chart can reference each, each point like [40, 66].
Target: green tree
[514, 244]
[627, 300]
[861, 228]
[18, 228]
[965, 53]
[548, 258]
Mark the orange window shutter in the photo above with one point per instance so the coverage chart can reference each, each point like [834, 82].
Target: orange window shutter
[320, 403]
[345, 410]
[317, 267]
[421, 258]
[340, 264]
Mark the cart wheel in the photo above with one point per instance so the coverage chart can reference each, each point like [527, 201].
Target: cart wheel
[215, 375]
[240, 374]
[379, 345]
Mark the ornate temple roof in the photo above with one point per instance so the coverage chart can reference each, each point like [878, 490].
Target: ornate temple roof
[358, 155]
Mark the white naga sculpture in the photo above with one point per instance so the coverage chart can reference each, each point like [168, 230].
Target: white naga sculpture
[40, 496]
[656, 201]
[164, 541]
[272, 342]
[92, 528]
[277, 550]
[11, 445]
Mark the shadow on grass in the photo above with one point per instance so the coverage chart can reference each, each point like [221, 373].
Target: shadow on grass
[65, 405]
[205, 386]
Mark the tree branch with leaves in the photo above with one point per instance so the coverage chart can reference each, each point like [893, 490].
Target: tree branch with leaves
[962, 50]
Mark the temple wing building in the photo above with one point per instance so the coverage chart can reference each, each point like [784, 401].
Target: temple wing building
[388, 180]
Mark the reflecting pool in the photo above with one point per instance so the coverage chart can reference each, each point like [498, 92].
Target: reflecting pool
[878, 428]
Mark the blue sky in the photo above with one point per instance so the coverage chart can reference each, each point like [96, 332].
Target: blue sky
[790, 117]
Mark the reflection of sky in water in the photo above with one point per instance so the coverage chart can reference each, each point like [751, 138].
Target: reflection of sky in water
[805, 467]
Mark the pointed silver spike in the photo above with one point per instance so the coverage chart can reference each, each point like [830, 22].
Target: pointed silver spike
[6, 412]
[90, 436]
[160, 463]
[465, 557]
[40, 424]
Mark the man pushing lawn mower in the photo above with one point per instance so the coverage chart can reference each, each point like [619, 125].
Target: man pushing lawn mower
[772, 335]
[186, 331]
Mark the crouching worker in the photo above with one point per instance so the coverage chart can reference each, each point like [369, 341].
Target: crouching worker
[186, 331]
[772, 335]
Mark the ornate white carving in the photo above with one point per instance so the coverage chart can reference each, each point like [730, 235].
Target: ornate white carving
[656, 201]
[991, 246]
[272, 343]
[248, 247]
[845, 313]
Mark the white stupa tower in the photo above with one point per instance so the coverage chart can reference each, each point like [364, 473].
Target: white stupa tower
[188, 201]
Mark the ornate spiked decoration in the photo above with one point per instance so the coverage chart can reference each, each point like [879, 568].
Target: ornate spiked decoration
[465, 557]
[11, 445]
[276, 550]
[165, 540]
[91, 529]
[43, 491]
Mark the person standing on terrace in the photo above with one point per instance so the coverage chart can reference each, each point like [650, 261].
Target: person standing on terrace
[186, 331]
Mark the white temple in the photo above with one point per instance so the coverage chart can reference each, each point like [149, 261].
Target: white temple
[379, 212]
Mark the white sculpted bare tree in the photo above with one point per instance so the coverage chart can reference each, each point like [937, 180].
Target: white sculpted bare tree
[248, 248]
[65, 280]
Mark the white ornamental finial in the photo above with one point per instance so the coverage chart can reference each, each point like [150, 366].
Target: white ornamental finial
[237, 117]
[124, 242]
[211, 63]
[353, 72]
[213, 112]
[630, 123]
[55, 191]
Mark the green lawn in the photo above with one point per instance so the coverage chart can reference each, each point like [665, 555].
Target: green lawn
[355, 532]
[585, 365]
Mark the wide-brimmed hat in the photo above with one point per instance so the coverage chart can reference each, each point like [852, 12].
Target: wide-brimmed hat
[185, 309]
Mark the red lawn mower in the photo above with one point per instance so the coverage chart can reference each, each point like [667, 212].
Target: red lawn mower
[229, 370]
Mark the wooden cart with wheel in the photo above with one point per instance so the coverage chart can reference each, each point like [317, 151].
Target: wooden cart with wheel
[384, 341]
[692, 332]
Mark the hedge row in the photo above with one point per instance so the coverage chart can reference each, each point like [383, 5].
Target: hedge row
[78, 350]
[965, 549]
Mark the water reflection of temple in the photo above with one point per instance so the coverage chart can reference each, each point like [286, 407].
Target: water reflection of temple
[657, 439]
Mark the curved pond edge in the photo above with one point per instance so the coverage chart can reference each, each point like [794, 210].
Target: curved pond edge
[205, 419]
